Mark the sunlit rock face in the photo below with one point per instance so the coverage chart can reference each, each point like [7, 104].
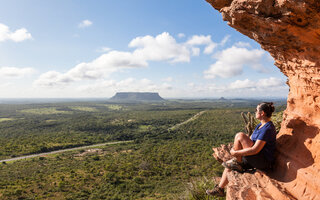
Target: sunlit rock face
[290, 31]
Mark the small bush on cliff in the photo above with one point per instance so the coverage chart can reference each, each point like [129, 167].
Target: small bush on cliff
[196, 189]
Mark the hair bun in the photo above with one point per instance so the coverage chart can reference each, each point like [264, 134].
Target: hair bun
[267, 107]
[271, 106]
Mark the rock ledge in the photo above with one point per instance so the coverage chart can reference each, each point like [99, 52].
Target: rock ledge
[290, 31]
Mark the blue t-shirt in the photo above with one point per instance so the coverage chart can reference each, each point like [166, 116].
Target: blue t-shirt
[268, 134]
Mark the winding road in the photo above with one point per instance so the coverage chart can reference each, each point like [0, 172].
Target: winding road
[62, 150]
[95, 145]
[188, 120]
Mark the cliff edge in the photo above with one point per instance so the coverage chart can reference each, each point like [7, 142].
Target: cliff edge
[290, 31]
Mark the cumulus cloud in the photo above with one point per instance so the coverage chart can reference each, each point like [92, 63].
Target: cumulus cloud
[202, 40]
[270, 82]
[99, 68]
[242, 84]
[52, 78]
[16, 36]
[134, 85]
[163, 47]
[230, 62]
[85, 23]
[126, 85]
[261, 84]
[181, 35]
[206, 88]
[268, 87]
[14, 72]
[99, 87]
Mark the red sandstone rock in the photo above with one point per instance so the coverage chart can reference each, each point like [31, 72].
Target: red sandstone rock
[290, 31]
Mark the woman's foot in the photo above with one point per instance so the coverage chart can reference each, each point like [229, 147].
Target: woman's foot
[216, 191]
[233, 164]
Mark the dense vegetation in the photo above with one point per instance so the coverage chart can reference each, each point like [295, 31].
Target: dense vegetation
[47, 127]
[158, 164]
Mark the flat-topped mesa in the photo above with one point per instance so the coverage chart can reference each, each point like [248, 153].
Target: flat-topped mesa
[290, 31]
[136, 96]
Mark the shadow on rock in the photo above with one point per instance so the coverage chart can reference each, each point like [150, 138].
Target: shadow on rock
[292, 154]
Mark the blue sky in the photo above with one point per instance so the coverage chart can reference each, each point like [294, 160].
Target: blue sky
[78, 48]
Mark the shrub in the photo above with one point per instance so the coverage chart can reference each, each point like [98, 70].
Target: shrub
[196, 189]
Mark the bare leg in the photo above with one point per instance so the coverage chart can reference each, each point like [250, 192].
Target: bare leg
[241, 141]
[224, 179]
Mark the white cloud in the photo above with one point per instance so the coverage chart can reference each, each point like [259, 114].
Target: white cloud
[209, 49]
[6, 85]
[260, 85]
[202, 40]
[134, 85]
[168, 79]
[181, 35]
[242, 44]
[230, 62]
[199, 40]
[224, 40]
[14, 72]
[85, 23]
[239, 84]
[195, 51]
[104, 49]
[100, 87]
[163, 47]
[52, 78]
[268, 87]
[206, 88]
[16, 36]
[99, 68]
[105, 65]
[270, 82]
[110, 87]
[165, 86]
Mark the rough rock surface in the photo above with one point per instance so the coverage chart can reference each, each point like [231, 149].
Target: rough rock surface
[290, 31]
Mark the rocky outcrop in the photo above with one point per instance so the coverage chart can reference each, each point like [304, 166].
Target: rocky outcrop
[253, 184]
[290, 31]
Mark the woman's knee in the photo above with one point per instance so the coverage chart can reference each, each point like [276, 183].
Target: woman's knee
[240, 136]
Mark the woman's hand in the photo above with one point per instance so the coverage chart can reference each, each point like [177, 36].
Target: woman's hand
[233, 152]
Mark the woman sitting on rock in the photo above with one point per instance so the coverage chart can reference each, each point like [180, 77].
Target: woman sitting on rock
[256, 151]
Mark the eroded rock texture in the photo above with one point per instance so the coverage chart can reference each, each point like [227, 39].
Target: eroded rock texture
[290, 31]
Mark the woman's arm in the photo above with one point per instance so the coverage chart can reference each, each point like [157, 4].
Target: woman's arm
[255, 149]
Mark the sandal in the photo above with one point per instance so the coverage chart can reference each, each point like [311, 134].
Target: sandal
[216, 191]
[233, 164]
